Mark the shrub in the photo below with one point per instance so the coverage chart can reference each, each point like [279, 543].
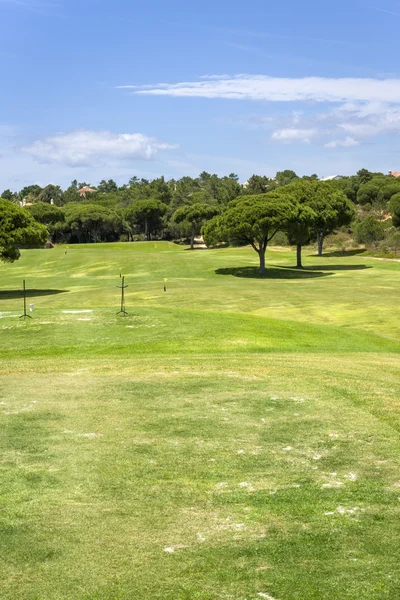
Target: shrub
[369, 231]
[394, 207]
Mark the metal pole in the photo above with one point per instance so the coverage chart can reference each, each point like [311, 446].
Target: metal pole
[122, 288]
[25, 313]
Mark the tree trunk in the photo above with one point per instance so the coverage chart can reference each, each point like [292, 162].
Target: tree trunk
[320, 240]
[299, 263]
[192, 237]
[261, 254]
[146, 230]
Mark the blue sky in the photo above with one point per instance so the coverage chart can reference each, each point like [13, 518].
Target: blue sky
[94, 88]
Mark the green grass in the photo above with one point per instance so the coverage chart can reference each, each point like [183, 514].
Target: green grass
[233, 437]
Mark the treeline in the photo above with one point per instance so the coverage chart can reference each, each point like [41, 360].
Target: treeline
[140, 209]
[143, 209]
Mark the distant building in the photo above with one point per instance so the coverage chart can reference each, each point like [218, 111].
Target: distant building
[394, 173]
[333, 178]
[86, 190]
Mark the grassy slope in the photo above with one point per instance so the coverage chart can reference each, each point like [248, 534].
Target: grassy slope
[251, 425]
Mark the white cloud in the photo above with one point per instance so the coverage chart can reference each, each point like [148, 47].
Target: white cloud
[291, 135]
[94, 148]
[349, 142]
[367, 119]
[280, 89]
[356, 122]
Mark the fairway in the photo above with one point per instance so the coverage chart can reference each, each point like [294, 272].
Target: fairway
[232, 438]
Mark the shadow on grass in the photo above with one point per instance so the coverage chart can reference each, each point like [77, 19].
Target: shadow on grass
[197, 248]
[333, 268]
[10, 294]
[271, 273]
[342, 253]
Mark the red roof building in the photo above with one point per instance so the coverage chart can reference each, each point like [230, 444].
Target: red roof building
[86, 190]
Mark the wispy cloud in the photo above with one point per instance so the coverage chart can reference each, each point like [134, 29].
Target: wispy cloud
[358, 121]
[365, 120]
[276, 89]
[94, 148]
[293, 135]
[348, 142]
[388, 12]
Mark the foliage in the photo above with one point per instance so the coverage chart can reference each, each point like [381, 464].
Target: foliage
[313, 177]
[369, 230]
[160, 190]
[388, 190]
[392, 240]
[258, 184]
[70, 194]
[364, 176]
[253, 220]
[332, 209]
[368, 192]
[50, 193]
[107, 186]
[91, 223]
[371, 192]
[349, 186]
[310, 196]
[30, 192]
[145, 216]
[46, 213]
[285, 177]
[18, 228]
[194, 216]
[9, 195]
[394, 208]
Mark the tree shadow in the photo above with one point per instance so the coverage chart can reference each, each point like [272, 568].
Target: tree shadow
[333, 267]
[30, 293]
[271, 273]
[342, 253]
[196, 248]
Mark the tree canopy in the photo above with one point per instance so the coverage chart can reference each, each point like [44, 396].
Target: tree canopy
[143, 209]
[195, 216]
[394, 207]
[253, 220]
[145, 216]
[332, 209]
[90, 222]
[300, 226]
[18, 228]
